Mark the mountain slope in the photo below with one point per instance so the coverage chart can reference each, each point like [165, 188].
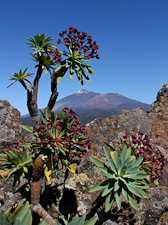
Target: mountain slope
[92, 100]
[79, 98]
[91, 105]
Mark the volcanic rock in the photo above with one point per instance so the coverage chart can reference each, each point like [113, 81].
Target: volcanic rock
[10, 121]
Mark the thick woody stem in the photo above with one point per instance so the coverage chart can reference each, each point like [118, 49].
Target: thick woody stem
[43, 214]
[24, 84]
[12, 201]
[32, 94]
[38, 167]
[54, 93]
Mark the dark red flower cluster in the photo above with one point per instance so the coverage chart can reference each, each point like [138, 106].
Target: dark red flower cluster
[79, 42]
[153, 159]
[16, 146]
[66, 138]
[54, 55]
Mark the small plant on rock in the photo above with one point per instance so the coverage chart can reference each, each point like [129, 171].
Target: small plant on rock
[124, 177]
[15, 161]
[75, 220]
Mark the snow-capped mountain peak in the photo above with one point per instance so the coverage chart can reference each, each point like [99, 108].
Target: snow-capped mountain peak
[82, 91]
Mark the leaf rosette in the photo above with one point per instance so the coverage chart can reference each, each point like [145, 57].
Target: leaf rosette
[124, 177]
[61, 138]
[15, 162]
[80, 50]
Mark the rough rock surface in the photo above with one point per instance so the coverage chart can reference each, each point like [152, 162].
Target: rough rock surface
[154, 123]
[10, 121]
[76, 197]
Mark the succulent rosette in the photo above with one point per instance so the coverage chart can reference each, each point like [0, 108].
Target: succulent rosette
[125, 177]
[62, 138]
[81, 49]
[15, 162]
[154, 160]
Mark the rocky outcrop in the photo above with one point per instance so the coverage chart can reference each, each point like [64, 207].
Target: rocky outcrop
[154, 123]
[10, 121]
[76, 197]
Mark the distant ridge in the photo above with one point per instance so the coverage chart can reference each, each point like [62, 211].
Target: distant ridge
[90, 105]
[91, 100]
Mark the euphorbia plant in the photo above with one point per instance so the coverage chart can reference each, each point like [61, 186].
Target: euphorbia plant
[154, 161]
[80, 50]
[15, 161]
[59, 138]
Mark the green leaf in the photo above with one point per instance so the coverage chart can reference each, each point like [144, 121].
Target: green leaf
[28, 128]
[92, 221]
[88, 68]
[74, 220]
[60, 66]
[141, 175]
[130, 175]
[61, 74]
[63, 219]
[3, 157]
[8, 211]
[79, 76]
[133, 169]
[138, 162]
[99, 186]
[23, 211]
[47, 112]
[111, 163]
[26, 145]
[132, 202]
[24, 155]
[56, 222]
[17, 222]
[82, 220]
[123, 154]
[109, 201]
[97, 161]
[13, 216]
[3, 219]
[29, 159]
[134, 191]
[110, 146]
[6, 163]
[86, 76]
[71, 74]
[116, 185]
[12, 171]
[118, 200]
[125, 193]
[27, 218]
[43, 222]
[108, 188]
[107, 171]
[46, 71]
[143, 193]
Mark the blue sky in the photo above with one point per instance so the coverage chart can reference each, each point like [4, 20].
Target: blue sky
[132, 36]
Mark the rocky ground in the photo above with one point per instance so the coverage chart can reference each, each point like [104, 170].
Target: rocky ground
[75, 192]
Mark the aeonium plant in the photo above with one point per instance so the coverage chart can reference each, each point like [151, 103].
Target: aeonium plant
[62, 138]
[125, 177]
